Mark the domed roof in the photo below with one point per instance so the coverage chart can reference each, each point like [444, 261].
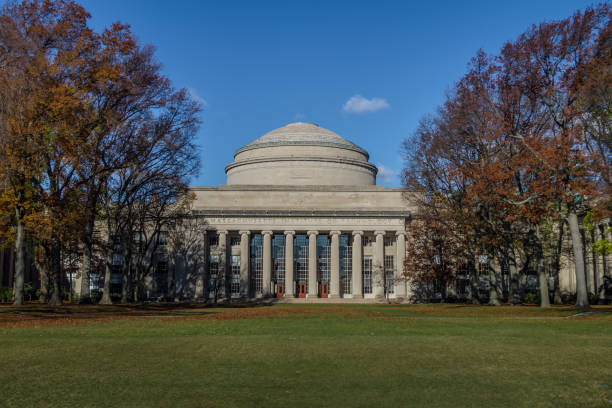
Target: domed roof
[302, 134]
[301, 154]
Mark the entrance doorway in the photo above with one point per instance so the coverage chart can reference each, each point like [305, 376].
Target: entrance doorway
[280, 290]
[324, 290]
[301, 290]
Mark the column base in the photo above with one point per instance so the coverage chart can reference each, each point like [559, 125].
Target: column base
[333, 296]
[359, 296]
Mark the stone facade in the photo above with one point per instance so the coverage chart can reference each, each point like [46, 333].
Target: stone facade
[301, 217]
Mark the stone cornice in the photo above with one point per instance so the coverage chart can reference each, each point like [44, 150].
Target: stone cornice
[260, 145]
[299, 213]
[364, 164]
[305, 188]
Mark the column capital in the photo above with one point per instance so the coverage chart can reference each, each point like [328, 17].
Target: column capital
[225, 232]
[358, 233]
[244, 232]
[309, 233]
[379, 232]
[400, 233]
[335, 232]
[267, 232]
[289, 232]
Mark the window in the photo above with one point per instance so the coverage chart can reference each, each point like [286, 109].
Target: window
[346, 265]
[300, 257]
[323, 259]
[367, 240]
[235, 283]
[389, 274]
[213, 273]
[234, 240]
[367, 275]
[161, 278]
[117, 259]
[213, 240]
[388, 242]
[257, 263]
[278, 257]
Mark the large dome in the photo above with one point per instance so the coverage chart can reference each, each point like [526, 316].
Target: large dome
[301, 154]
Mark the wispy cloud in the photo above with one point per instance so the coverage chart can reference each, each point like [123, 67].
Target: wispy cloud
[386, 174]
[359, 104]
[299, 116]
[196, 97]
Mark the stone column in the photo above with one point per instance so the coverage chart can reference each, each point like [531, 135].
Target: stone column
[244, 263]
[202, 273]
[289, 279]
[334, 284]
[267, 262]
[357, 265]
[312, 264]
[400, 244]
[378, 266]
[223, 269]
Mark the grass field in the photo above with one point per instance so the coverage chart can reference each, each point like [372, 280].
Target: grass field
[305, 356]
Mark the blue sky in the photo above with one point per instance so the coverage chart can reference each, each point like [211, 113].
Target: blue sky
[261, 64]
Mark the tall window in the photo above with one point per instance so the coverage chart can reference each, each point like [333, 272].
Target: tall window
[235, 283]
[234, 240]
[323, 258]
[257, 263]
[213, 273]
[213, 240]
[389, 274]
[367, 240]
[300, 258]
[278, 255]
[161, 277]
[367, 275]
[388, 242]
[346, 265]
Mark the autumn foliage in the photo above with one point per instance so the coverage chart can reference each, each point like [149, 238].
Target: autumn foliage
[522, 139]
[87, 124]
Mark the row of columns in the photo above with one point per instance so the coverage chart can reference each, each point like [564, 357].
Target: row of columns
[357, 256]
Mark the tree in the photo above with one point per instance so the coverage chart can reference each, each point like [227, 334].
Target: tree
[509, 145]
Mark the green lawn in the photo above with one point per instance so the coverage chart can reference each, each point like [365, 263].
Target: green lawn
[311, 356]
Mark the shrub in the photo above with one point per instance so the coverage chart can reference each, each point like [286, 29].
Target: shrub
[6, 294]
[532, 298]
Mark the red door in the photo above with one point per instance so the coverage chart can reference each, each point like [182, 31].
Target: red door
[324, 289]
[301, 290]
[280, 290]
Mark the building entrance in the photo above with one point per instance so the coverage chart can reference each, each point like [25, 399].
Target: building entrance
[301, 290]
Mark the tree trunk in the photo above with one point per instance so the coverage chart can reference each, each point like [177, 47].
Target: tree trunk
[557, 294]
[542, 275]
[126, 276]
[582, 299]
[56, 295]
[43, 271]
[106, 298]
[493, 298]
[474, 287]
[514, 295]
[84, 292]
[19, 277]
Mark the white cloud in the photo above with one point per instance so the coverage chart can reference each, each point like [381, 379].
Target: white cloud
[359, 104]
[386, 174]
[196, 97]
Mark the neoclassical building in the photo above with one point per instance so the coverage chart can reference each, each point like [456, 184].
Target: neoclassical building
[301, 216]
